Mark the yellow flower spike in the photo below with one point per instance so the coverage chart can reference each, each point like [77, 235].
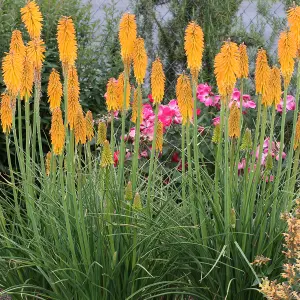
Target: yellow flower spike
[106, 156]
[89, 125]
[135, 107]
[266, 92]
[293, 16]
[102, 133]
[261, 71]
[16, 44]
[275, 86]
[120, 91]
[27, 78]
[158, 80]
[244, 62]
[67, 43]
[127, 37]
[227, 68]
[32, 18]
[112, 95]
[12, 68]
[194, 47]
[57, 132]
[140, 60]
[36, 49]
[159, 137]
[128, 194]
[80, 127]
[73, 95]
[287, 51]
[55, 90]
[48, 163]
[185, 98]
[247, 141]
[297, 134]
[216, 134]
[234, 130]
[137, 202]
[6, 113]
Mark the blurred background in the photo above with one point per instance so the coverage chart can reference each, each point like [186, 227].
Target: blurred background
[160, 22]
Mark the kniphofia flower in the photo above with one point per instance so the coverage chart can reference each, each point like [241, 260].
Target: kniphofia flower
[194, 47]
[297, 134]
[293, 16]
[67, 43]
[112, 95]
[244, 62]
[234, 130]
[57, 132]
[27, 78]
[137, 203]
[127, 37]
[159, 137]
[185, 98]
[48, 163]
[55, 90]
[36, 49]
[106, 156]
[135, 103]
[216, 134]
[140, 60]
[128, 193]
[262, 72]
[287, 50]
[73, 95]
[32, 18]
[16, 44]
[158, 79]
[102, 133]
[12, 68]
[80, 127]
[227, 67]
[247, 141]
[6, 113]
[89, 125]
[120, 88]
[275, 86]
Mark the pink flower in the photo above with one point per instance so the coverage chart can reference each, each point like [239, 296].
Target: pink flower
[216, 121]
[165, 115]
[204, 94]
[175, 157]
[198, 111]
[290, 104]
[144, 153]
[148, 112]
[151, 100]
[274, 151]
[247, 102]
[201, 130]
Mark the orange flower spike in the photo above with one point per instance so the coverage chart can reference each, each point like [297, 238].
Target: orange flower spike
[227, 67]
[12, 68]
[158, 80]
[159, 137]
[32, 18]
[48, 163]
[262, 69]
[293, 16]
[287, 50]
[6, 113]
[27, 78]
[185, 98]
[244, 61]
[140, 60]
[57, 132]
[89, 125]
[120, 88]
[234, 130]
[73, 95]
[16, 44]
[55, 90]
[80, 127]
[112, 102]
[127, 37]
[194, 47]
[36, 49]
[275, 86]
[67, 43]
[135, 107]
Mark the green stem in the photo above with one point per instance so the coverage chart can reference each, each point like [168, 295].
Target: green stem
[183, 165]
[112, 137]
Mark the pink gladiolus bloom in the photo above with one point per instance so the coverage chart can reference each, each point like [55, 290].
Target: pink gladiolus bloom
[290, 104]
[216, 121]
